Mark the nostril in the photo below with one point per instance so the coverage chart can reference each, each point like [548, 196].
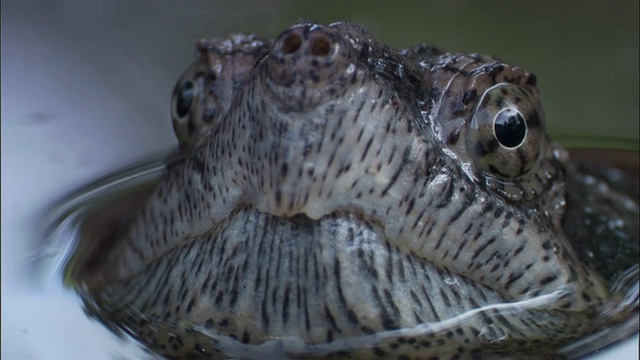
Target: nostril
[320, 46]
[291, 43]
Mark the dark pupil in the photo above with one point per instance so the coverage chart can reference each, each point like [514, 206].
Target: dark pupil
[510, 127]
[185, 95]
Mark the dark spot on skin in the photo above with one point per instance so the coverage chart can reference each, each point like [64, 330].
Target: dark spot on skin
[367, 330]
[329, 337]
[454, 136]
[193, 128]
[492, 145]
[479, 149]
[533, 120]
[278, 197]
[495, 170]
[199, 349]
[379, 352]
[494, 71]
[457, 108]
[513, 278]
[548, 279]
[573, 275]
[469, 96]
[245, 338]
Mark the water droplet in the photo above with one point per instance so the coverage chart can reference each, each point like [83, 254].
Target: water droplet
[451, 281]
[493, 336]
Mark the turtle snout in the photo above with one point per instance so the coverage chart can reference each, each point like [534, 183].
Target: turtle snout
[310, 55]
[297, 42]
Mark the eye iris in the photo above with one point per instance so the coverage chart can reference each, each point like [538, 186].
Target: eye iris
[185, 95]
[510, 128]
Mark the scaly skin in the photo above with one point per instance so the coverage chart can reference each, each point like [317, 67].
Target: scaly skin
[347, 198]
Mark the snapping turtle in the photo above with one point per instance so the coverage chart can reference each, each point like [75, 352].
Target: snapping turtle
[336, 197]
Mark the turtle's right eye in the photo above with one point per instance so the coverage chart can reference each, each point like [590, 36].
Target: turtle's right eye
[505, 135]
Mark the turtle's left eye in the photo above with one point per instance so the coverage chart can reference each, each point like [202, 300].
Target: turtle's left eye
[188, 102]
[505, 135]
[183, 98]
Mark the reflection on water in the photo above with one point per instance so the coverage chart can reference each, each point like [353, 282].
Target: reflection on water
[82, 227]
[84, 214]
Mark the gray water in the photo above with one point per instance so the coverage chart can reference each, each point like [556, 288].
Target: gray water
[86, 88]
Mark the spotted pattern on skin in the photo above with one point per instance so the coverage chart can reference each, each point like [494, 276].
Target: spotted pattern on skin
[335, 200]
[279, 297]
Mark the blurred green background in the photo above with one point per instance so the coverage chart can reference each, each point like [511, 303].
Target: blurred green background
[585, 53]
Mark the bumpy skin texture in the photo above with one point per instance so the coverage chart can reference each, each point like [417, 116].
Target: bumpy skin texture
[203, 93]
[351, 199]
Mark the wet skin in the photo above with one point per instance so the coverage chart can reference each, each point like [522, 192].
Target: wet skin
[362, 200]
